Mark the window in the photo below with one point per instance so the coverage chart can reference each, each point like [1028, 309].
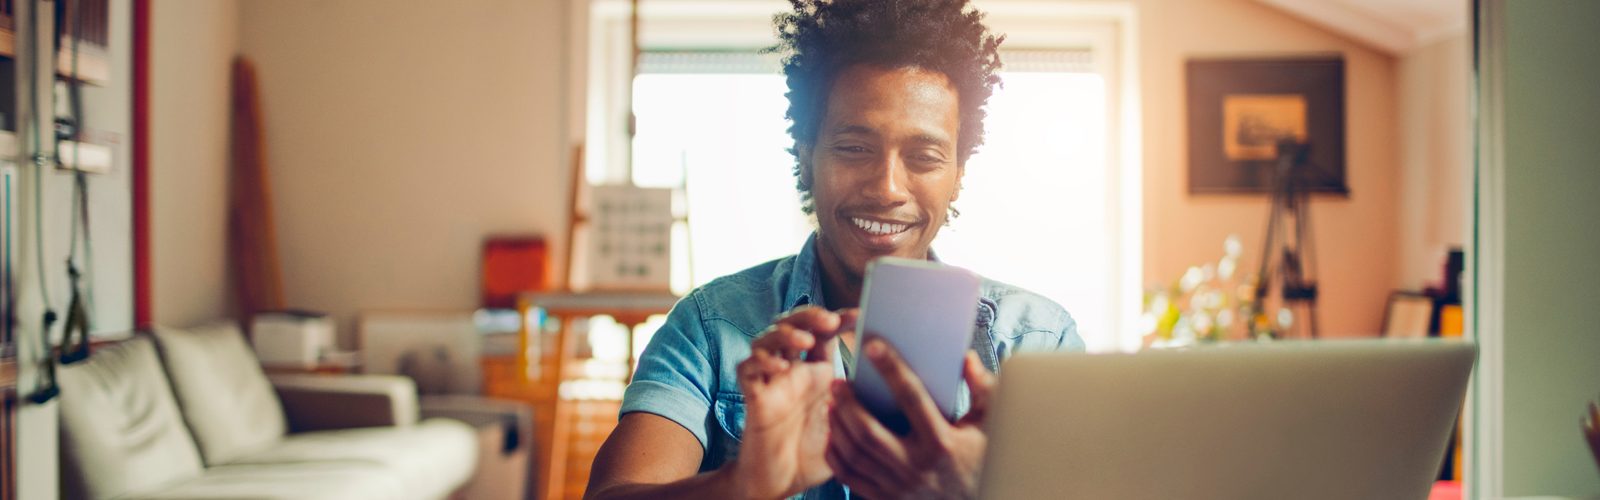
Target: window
[1049, 203]
[713, 124]
[1035, 205]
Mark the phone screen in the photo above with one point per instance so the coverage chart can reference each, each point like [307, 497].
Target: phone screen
[926, 311]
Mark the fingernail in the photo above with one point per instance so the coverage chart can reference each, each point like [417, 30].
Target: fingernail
[875, 349]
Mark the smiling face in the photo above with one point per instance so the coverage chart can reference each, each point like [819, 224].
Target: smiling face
[884, 168]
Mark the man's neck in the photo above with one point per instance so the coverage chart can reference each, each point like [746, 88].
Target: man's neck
[840, 286]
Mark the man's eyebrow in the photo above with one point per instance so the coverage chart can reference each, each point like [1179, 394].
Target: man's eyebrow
[931, 139]
[847, 129]
[925, 137]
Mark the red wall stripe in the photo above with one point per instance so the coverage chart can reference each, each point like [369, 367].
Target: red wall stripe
[141, 165]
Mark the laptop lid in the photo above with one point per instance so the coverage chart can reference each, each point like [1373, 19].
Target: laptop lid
[1309, 420]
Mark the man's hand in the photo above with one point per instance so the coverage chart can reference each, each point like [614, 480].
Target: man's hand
[785, 384]
[937, 459]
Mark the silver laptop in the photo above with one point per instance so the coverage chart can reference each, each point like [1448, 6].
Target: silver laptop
[1305, 420]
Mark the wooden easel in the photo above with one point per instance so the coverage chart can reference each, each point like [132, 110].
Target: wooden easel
[539, 380]
[629, 308]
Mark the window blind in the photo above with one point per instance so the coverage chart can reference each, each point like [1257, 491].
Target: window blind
[750, 62]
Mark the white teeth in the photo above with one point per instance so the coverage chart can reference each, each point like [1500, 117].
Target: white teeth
[879, 228]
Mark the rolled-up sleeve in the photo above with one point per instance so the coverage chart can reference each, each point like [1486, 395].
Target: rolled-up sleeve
[675, 376]
[1070, 340]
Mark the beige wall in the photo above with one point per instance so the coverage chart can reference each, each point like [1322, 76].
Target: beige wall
[192, 44]
[1356, 237]
[399, 134]
[1435, 141]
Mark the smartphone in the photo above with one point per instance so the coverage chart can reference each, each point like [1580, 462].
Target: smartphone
[925, 310]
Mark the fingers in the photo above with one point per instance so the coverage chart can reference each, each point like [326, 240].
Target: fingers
[818, 321]
[821, 323]
[848, 318]
[908, 391]
[822, 352]
[855, 462]
[861, 435]
[812, 319]
[806, 331]
[981, 384]
[785, 341]
[829, 341]
[757, 369]
[852, 466]
[861, 484]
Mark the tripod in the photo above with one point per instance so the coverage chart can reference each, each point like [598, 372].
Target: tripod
[1288, 259]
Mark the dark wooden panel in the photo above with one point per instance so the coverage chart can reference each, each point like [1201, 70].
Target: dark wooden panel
[8, 444]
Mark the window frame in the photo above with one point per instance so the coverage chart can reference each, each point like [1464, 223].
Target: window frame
[602, 64]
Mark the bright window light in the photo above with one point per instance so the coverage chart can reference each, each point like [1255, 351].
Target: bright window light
[727, 134]
[1037, 203]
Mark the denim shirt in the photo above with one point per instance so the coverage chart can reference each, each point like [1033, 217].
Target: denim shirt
[687, 372]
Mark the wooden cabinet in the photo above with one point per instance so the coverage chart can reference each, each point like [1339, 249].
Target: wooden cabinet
[568, 429]
[8, 424]
[8, 28]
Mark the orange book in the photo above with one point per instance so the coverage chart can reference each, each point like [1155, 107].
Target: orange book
[512, 265]
[1450, 322]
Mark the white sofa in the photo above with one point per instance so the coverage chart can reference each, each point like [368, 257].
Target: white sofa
[197, 418]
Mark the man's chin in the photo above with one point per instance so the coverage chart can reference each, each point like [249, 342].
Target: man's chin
[858, 258]
[855, 254]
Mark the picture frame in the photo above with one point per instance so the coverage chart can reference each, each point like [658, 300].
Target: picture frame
[1238, 109]
[1408, 315]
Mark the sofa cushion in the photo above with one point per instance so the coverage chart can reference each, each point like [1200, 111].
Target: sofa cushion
[430, 459]
[303, 481]
[120, 428]
[226, 399]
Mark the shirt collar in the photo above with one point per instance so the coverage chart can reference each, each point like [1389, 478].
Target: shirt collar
[805, 282]
[805, 288]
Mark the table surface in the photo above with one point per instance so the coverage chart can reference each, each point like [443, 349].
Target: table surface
[597, 300]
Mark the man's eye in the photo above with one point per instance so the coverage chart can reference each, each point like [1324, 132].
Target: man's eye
[850, 149]
[927, 161]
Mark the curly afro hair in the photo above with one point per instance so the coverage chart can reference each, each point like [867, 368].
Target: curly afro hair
[819, 39]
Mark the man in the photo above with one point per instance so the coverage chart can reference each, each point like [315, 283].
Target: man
[886, 100]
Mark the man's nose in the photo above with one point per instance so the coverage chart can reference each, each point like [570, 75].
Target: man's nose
[888, 183]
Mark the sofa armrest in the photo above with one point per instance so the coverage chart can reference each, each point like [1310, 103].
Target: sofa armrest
[324, 402]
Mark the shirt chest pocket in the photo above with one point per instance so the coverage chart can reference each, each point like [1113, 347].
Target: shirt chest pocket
[729, 413]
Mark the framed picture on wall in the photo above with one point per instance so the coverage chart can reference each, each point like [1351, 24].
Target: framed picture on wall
[1239, 109]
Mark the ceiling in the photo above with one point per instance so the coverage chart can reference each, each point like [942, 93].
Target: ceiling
[1394, 26]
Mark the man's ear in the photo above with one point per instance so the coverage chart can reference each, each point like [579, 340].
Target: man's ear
[961, 172]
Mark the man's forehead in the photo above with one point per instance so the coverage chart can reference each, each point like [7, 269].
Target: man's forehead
[905, 102]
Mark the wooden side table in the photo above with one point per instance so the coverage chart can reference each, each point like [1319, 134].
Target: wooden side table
[539, 380]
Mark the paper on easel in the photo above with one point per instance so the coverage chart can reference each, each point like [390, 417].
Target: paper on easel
[630, 238]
